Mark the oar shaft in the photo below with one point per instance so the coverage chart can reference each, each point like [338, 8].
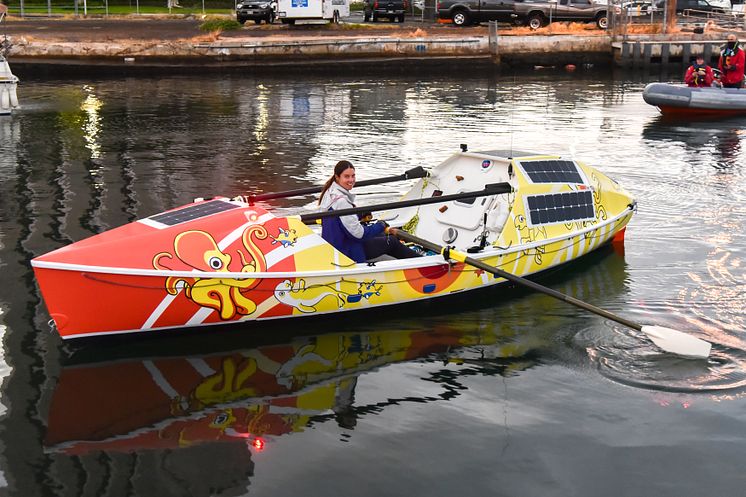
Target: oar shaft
[515, 279]
[415, 172]
[491, 189]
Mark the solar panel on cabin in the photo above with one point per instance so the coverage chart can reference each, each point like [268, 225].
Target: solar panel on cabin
[552, 171]
[560, 207]
[197, 211]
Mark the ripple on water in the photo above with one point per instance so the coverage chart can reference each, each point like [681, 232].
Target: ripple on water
[628, 357]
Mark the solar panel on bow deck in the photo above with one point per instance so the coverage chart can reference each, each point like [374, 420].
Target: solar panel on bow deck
[552, 171]
[193, 212]
[560, 207]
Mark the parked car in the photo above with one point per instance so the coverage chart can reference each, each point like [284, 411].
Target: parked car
[639, 8]
[394, 10]
[257, 11]
[694, 5]
[538, 13]
[465, 12]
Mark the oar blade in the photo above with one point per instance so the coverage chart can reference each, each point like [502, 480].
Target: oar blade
[676, 342]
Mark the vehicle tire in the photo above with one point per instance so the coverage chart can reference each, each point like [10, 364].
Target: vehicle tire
[374, 17]
[240, 20]
[335, 17]
[271, 18]
[535, 21]
[366, 17]
[461, 17]
[401, 18]
[257, 21]
[602, 20]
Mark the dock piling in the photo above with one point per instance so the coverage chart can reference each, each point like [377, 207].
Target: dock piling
[493, 42]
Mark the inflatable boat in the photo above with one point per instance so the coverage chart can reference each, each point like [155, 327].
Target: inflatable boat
[681, 100]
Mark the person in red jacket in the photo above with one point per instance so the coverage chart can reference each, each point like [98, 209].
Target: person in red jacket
[731, 63]
[699, 73]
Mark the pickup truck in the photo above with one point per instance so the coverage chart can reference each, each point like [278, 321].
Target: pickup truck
[465, 12]
[373, 10]
[539, 13]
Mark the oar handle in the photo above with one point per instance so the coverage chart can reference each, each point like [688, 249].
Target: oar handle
[461, 257]
[490, 189]
[415, 172]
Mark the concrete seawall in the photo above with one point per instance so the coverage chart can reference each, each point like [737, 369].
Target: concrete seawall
[511, 50]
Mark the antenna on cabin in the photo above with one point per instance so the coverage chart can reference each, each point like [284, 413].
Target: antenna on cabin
[512, 109]
[464, 147]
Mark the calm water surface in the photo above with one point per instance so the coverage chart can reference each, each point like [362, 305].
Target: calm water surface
[507, 394]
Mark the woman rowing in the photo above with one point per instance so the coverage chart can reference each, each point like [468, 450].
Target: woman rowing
[360, 242]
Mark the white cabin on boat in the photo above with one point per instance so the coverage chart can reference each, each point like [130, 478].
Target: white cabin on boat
[8, 84]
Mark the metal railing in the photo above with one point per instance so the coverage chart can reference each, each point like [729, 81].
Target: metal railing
[53, 8]
[623, 17]
[722, 19]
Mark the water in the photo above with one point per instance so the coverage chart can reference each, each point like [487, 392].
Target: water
[507, 393]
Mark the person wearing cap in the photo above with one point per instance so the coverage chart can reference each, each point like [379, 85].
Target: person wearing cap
[731, 63]
[699, 73]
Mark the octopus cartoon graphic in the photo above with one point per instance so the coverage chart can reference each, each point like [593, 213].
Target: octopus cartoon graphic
[528, 235]
[232, 382]
[198, 250]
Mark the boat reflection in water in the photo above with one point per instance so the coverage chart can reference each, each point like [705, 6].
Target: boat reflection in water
[243, 395]
[723, 135]
[250, 394]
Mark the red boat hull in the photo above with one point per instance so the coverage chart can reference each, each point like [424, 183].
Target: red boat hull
[689, 112]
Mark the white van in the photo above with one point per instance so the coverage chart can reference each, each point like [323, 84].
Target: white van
[312, 11]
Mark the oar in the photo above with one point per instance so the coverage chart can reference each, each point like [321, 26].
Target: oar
[490, 189]
[415, 172]
[667, 339]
